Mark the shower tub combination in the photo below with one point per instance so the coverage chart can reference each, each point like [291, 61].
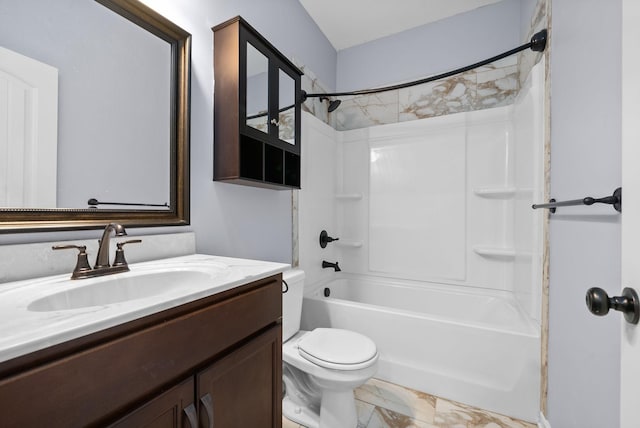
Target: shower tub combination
[477, 347]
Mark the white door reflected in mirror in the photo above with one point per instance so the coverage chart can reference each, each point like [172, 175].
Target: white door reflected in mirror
[28, 131]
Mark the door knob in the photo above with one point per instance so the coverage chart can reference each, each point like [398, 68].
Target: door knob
[599, 303]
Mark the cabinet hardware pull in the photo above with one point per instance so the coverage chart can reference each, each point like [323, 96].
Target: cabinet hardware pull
[192, 417]
[207, 402]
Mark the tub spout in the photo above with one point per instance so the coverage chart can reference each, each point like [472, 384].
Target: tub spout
[335, 266]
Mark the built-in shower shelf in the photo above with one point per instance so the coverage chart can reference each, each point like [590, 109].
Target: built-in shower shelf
[348, 243]
[348, 196]
[495, 251]
[495, 192]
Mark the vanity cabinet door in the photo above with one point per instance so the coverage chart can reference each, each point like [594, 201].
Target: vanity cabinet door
[171, 409]
[244, 388]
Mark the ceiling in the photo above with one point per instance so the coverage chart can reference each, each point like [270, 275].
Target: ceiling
[353, 22]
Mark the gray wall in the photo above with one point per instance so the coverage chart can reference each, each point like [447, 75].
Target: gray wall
[431, 49]
[230, 219]
[527, 8]
[584, 350]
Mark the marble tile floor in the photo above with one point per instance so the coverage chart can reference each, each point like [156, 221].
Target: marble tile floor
[386, 405]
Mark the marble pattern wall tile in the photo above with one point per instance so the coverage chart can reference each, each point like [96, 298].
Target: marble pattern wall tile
[490, 86]
[364, 111]
[493, 85]
[497, 87]
[453, 95]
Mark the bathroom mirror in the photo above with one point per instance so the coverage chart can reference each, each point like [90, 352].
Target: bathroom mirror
[122, 140]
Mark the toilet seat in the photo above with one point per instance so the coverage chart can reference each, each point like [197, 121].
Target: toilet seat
[338, 349]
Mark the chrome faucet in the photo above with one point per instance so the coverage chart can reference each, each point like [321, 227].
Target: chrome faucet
[102, 260]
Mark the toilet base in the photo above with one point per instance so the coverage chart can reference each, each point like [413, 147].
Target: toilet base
[338, 409]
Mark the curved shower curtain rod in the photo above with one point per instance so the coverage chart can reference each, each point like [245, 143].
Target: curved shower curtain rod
[537, 44]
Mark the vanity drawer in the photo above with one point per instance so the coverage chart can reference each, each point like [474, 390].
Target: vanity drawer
[96, 384]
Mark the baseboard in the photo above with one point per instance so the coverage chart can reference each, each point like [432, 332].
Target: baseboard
[543, 423]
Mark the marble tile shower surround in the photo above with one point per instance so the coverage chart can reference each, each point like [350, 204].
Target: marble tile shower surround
[493, 85]
[490, 86]
[385, 405]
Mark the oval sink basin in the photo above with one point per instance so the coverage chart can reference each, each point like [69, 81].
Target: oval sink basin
[120, 288]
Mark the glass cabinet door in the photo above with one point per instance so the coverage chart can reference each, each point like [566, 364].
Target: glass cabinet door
[257, 89]
[286, 107]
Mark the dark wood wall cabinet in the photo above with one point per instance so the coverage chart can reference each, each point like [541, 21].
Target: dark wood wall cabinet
[216, 362]
[257, 101]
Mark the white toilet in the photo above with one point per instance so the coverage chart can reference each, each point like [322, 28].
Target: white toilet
[321, 367]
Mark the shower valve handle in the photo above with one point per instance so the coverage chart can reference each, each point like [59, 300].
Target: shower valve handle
[599, 303]
[325, 239]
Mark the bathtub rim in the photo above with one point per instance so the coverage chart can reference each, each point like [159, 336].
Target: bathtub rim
[529, 326]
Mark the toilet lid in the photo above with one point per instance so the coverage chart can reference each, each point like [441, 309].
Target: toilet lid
[338, 349]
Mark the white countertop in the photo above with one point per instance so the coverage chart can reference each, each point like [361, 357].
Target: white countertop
[23, 330]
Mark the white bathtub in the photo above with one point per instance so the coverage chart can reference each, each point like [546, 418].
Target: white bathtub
[473, 346]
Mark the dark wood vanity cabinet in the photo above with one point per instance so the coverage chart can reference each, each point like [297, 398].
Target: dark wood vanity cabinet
[214, 362]
[229, 393]
[257, 99]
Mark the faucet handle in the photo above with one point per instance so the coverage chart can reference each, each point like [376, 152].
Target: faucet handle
[325, 239]
[120, 260]
[82, 264]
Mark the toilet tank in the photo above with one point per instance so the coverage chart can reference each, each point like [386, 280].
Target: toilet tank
[292, 302]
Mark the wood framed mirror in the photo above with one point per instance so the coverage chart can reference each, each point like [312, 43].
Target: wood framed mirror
[136, 140]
